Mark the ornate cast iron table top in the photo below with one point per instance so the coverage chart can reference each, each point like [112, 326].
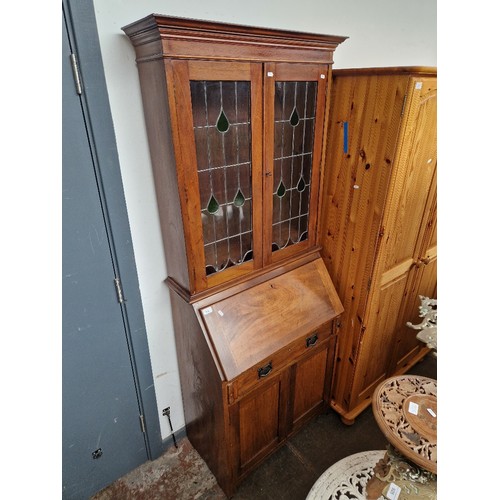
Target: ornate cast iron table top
[405, 409]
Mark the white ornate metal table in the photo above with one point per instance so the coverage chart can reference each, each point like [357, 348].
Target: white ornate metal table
[347, 478]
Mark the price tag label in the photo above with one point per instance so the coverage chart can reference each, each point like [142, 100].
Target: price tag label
[393, 492]
[413, 408]
[207, 310]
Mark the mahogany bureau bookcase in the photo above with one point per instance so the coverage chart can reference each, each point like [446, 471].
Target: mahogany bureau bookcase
[235, 119]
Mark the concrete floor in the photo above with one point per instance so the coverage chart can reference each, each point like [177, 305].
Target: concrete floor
[289, 473]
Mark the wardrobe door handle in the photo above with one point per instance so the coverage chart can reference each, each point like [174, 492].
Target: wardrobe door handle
[312, 340]
[420, 262]
[265, 370]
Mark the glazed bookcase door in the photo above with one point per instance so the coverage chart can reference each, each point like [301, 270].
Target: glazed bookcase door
[220, 130]
[294, 112]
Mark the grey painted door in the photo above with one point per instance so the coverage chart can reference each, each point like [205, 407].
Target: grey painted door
[102, 436]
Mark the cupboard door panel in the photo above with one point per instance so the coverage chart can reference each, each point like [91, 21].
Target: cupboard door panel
[308, 385]
[220, 157]
[259, 423]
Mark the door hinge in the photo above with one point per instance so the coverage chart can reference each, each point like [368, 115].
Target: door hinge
[119, 291]
[404, 104]
[76, 74]
[143, 427]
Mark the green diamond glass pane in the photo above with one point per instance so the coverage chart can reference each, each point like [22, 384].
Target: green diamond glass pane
[294, 118]
[281, 190]
[239, 199]
[301, 185]
[213, 205]
[222, 122]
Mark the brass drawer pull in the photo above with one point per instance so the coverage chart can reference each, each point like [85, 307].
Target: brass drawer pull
[265, 370]
[312, 340]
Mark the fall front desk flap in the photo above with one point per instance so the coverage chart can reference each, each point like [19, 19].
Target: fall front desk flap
[247, 328]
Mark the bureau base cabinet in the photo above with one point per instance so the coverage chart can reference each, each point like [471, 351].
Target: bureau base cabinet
[379, 222]
[264, 418]
[235, 120]
[255, 365]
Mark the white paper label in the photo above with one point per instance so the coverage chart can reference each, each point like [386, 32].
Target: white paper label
[207, 310]
[220, 313]
[393, 492]
[322, 76]
[431, 412]
[418, 85]
[413, 408]
[270, 73]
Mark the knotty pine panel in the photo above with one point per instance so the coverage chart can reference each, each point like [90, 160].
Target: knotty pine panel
[355, 188]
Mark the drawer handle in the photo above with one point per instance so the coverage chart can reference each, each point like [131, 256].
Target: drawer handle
[265, 370]
[312, 340]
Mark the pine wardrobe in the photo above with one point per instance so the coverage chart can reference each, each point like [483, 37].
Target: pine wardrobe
[378, 230]
[235, 119]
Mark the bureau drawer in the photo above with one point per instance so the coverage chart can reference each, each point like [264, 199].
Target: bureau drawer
[251, 378]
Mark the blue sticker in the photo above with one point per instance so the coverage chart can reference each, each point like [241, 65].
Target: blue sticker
[346, 136]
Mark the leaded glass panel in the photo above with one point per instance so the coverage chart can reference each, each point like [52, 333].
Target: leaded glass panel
[294, 109]
[221, 119]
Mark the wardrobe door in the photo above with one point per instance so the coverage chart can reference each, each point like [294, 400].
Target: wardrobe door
[406, 231]
[412, 255]
[423, 282]
[364, 124]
